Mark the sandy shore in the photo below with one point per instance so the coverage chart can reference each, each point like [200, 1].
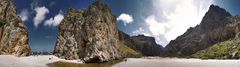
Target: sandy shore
[43, 60]
[30, 61]
[176, 62]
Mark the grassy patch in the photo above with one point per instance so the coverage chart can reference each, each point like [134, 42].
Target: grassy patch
[128, 52]
[229, 49]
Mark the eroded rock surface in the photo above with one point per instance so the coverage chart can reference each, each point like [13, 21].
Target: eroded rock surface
[13, 32]
[88, 34]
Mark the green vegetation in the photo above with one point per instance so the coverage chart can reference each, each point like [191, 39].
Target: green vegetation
[2, 22]
[128, 52]
[229, 49]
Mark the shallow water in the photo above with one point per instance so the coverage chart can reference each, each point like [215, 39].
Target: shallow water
[156, 62]
[67, 64]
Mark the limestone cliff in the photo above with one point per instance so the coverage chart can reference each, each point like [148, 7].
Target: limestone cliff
[13, 32]
[88, 34]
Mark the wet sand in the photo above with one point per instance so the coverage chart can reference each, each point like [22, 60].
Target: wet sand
[176, 62]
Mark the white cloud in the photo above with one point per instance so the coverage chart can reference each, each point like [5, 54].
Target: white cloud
[53, 3]
[54, 21]
[154, 26]
[126, 18]
[172, 18]
[24, 15]
[40, 15]
[140, 31]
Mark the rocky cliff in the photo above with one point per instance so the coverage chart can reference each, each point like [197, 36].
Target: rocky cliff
[88, 34]
[143, 44]
[216, 26]
[13, 32]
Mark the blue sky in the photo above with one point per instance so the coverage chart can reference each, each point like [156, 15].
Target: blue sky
[162, 19]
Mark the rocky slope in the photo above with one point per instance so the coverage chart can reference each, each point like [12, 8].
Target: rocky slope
[88, 34]
[13, 32]
[143, 44]
[229, 49]
[216, 26]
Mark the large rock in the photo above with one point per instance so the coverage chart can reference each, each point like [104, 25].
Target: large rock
[143, 44]
[216, 26]
[88, 34]
[13, 32]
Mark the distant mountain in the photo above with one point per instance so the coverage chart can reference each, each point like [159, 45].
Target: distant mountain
[13, 32]
[143, 44]
[216, 26]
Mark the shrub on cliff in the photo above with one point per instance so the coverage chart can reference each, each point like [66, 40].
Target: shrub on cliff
[2, 22]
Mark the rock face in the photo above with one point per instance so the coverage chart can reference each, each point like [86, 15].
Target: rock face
[229, 49]
[13, 32]
[216, 26]
[143, 44]
[88, 34]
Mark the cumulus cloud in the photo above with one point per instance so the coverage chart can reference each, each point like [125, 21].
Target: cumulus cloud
[172, 18]
[157, 29]
[24, 15]
[140, 31]
[55, 21]
[40, 15]
[126, 18]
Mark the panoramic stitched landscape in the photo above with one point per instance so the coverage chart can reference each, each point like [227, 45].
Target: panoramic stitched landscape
[119, 33]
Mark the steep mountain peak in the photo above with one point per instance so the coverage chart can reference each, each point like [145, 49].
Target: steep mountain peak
[214, 27]
[218, 11]
[214, 18]
[99, 5]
